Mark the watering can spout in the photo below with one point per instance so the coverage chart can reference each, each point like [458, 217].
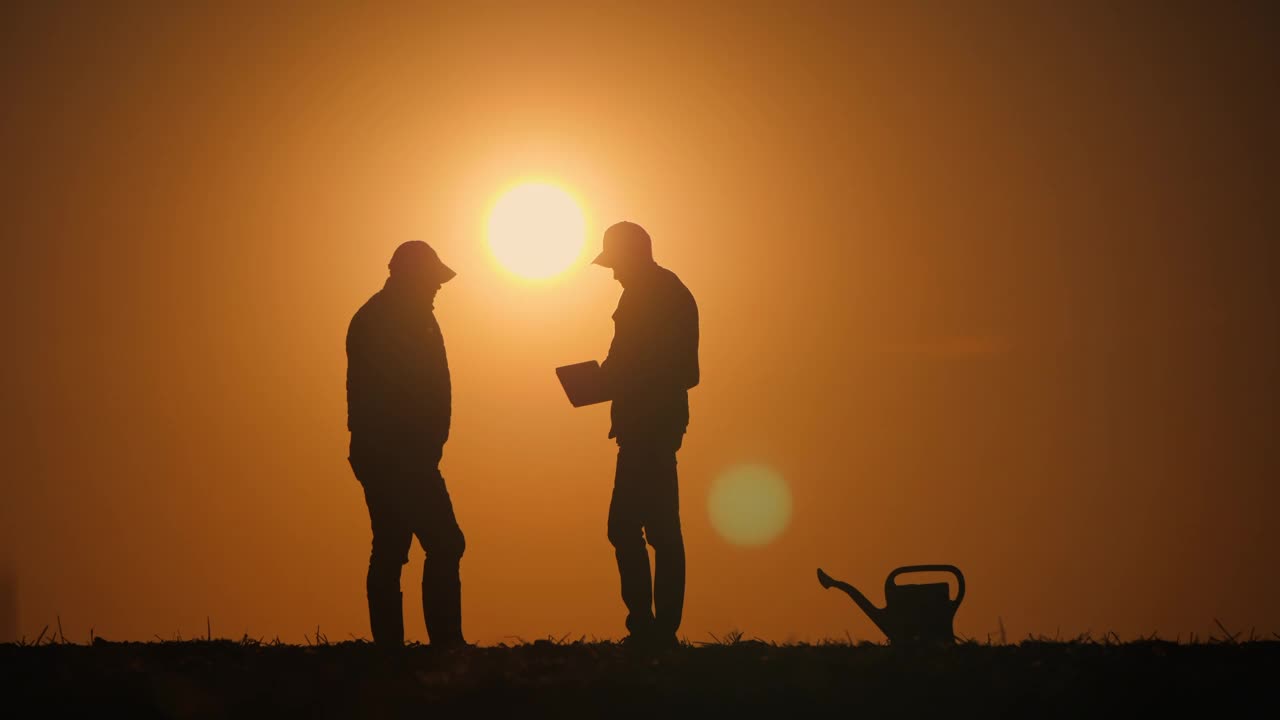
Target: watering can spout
[876, 614]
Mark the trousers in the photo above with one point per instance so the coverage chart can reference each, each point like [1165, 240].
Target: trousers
[645, 508]
[406, 497]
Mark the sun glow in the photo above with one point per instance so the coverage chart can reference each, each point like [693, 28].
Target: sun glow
[536, 231]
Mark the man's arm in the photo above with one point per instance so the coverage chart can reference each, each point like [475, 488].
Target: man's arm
[688, 343]
[357, 373]
[439, 395]
[614, 369]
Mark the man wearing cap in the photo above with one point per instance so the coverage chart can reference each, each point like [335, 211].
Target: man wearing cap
[652, 364]
[398, 412]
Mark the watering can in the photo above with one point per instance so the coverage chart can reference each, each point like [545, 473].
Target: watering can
[914, 614]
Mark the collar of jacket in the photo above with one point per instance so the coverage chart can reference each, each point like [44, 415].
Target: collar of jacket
[402, 292]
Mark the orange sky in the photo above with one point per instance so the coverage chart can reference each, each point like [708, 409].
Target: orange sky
[988, 285]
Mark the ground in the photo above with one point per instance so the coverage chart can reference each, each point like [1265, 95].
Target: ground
[738, 678]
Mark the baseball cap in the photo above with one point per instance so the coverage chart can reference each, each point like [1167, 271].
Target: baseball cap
[415, 256]
[624, 240]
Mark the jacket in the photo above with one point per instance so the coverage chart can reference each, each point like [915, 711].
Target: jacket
[653, 359]
[398, 387]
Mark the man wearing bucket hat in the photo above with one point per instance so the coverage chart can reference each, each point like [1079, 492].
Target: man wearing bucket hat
[398, 412]
[652, 364]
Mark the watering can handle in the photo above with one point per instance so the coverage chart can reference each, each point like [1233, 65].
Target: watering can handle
[888, 583]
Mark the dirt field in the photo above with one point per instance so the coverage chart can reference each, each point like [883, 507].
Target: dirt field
[220, 679]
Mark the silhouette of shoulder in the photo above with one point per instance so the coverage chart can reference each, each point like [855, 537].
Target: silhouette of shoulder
[672, 296]
[663, 290]
[678, 289]
[372, 311]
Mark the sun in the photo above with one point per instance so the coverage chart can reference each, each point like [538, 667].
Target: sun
[536, 231]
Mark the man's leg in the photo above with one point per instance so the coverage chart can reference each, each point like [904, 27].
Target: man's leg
[391, 539]
[625, 522]
[442, 539]
[662, 528]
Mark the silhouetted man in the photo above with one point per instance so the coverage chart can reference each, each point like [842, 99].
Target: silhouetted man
[398, 412]
[652, 363]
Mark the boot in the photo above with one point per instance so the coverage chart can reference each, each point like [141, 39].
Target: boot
[386, 619]
[442, 607]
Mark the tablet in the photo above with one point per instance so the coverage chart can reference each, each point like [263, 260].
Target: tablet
[582, 383]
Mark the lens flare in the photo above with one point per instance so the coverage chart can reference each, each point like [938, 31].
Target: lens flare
[750, 505]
